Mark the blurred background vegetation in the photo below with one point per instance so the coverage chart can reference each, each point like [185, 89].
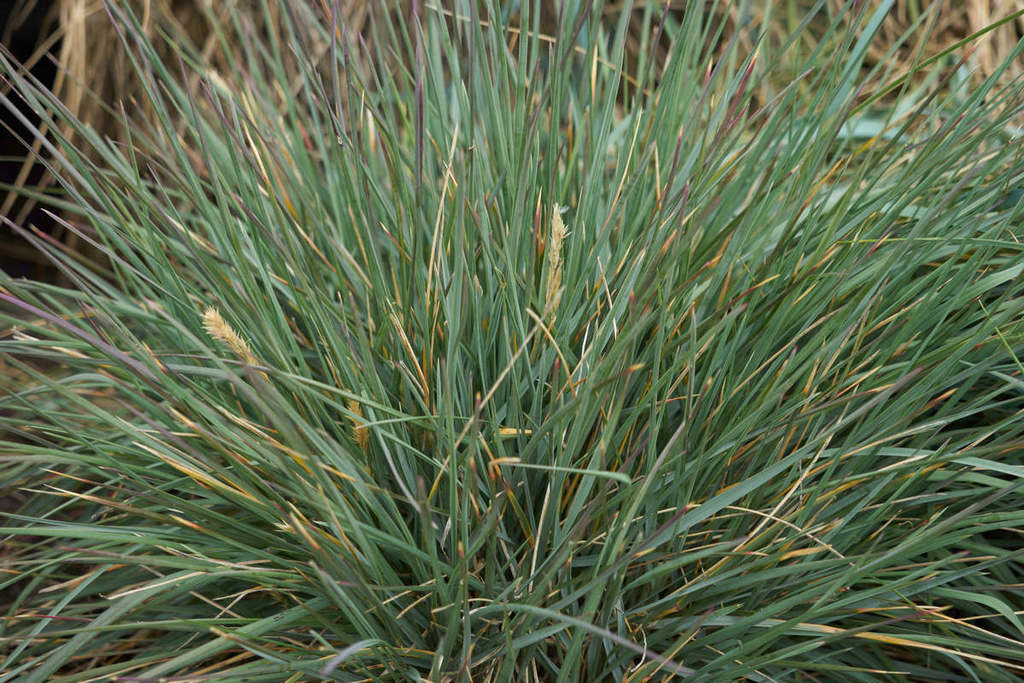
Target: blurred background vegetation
[94, 77]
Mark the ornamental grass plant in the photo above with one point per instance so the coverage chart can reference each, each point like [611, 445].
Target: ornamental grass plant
[468, 349]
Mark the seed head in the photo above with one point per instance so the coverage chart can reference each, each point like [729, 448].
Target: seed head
[358, 425]
[218, 328]
[553, 291]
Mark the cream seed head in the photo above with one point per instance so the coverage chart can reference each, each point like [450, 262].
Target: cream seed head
[219, 329]
[362, 437]
[553, 291]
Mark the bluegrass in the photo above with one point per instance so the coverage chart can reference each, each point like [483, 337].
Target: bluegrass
[481, 357]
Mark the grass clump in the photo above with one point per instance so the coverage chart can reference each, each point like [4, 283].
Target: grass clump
[351, 396]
